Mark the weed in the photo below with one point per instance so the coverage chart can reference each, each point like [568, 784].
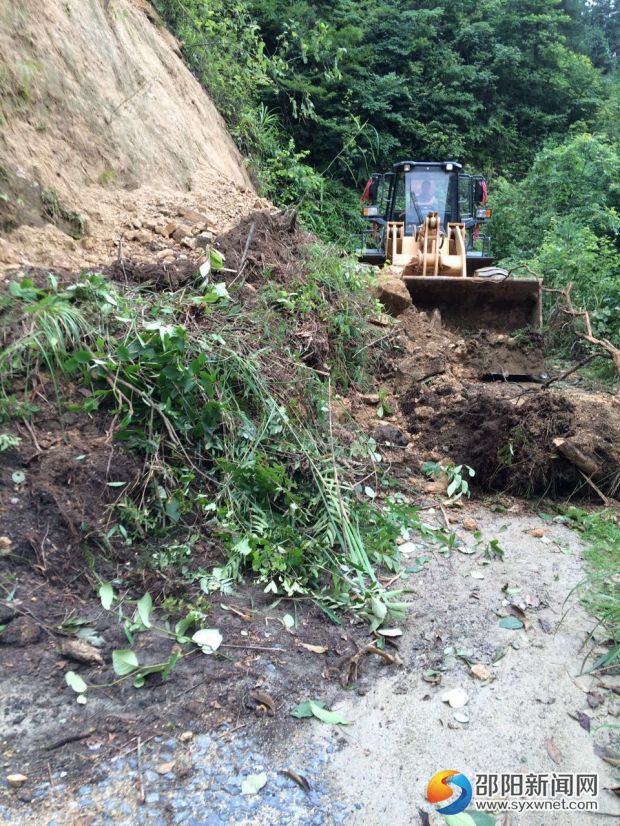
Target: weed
[601, 591]
[66, 219]
[383, 408]
[107, 177]
[8, 442]
[456, 483]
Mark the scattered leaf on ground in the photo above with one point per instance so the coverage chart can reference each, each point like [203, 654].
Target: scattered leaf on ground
[431, 676]
[511, 623]
[144, 606]
[390, 632]
[75, 682]
[124, 661]
[303, 709]
[253, 783]
[264, 699]
[476, 574]
[456, 697]
[288, 621]
[325, 716]
[209, 639]
[106, 595]
[316, 649]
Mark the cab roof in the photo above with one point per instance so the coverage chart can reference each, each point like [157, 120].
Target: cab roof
[400, 166]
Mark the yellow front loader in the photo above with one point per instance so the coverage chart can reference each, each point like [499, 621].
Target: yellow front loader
[426, 221]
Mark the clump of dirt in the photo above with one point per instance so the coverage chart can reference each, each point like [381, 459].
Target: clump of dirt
[160, 275]
[528, 441]
[265, 244]
[57, 488]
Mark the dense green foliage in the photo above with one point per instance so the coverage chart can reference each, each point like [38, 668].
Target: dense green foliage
[319, 94]
[563, 218]
[358, 83]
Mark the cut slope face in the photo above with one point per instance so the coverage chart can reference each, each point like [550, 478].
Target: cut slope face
[100, 116]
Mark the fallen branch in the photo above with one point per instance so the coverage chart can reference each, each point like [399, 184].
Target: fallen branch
[568, 309]
[352, 673]
[573, 369]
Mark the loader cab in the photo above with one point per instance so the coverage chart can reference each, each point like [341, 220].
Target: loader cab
[420, 188]
[396, 203]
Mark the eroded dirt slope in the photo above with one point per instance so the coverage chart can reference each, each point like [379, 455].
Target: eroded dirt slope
[105, 132]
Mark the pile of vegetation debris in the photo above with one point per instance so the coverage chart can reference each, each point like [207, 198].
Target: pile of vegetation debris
[174, 423]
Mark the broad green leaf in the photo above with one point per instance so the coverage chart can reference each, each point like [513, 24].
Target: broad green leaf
[327, 716]
[304, 709]
[288, 621]
[124, 661]
[452, 487]
[159, 668]
[379, 609]
[253, 783]
[512, 623]
[106, 595]
[143, 609]
[75, 682]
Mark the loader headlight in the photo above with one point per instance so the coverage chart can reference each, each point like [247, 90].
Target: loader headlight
[449, 167]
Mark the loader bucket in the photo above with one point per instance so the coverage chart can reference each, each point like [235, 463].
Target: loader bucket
[474, 304]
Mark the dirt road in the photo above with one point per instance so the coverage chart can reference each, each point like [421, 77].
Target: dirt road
[375, 770]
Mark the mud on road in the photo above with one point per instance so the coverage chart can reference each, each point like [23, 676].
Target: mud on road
[202, 735]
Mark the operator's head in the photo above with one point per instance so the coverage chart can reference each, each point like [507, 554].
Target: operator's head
[425, 190]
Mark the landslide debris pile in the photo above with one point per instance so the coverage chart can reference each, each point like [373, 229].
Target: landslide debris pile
[519, 436]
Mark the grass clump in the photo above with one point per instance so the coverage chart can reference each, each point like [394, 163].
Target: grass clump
[601, 591]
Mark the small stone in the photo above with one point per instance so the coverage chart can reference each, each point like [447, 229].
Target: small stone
[81, 652]
[537, 532]
[169, 229]
[393, 294]
[203, 240]
[181, 232]
[424, 412]
[186, 736]
[188, 242]
[167, 253]
[470, 524]
[387, 433]
[370, 398]
[15, 781]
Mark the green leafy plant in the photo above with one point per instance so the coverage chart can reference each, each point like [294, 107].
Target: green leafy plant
[9, 442]
[383, 408]
[456, 483]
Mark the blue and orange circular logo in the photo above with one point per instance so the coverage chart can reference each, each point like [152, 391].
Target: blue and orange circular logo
[440, 788]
